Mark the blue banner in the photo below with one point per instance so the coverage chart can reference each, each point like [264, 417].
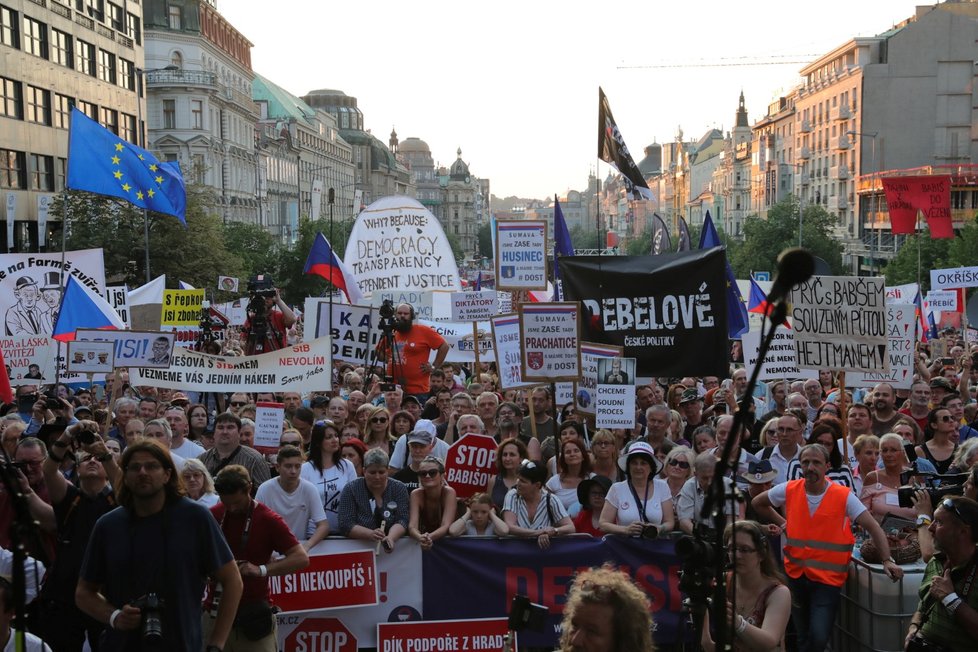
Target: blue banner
[477, 578]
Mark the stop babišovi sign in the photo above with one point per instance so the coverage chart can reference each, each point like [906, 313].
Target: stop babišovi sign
[471, 463]
[320, 635]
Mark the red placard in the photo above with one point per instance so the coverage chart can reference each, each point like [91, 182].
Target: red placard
[443, 635]
[471, 463]
[320, 635]
[345, 579]
[931, 194]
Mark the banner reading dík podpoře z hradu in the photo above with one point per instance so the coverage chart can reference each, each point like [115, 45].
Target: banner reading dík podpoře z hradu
[667, 311]
[840, 323]
[397, 244]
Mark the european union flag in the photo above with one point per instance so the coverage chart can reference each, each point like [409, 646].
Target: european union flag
[103, 163]
[737, 323]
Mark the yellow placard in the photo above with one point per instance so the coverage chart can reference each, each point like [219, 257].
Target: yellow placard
[181, 307]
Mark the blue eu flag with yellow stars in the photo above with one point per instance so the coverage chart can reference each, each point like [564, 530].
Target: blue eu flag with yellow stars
[103, 163]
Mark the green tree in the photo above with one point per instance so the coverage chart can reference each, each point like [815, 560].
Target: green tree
[765, 239]
[485, 240]
[256, 248]
[639, 246]
[933, 254]
[585, 238]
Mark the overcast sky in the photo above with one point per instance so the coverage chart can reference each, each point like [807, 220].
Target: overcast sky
[515, 84]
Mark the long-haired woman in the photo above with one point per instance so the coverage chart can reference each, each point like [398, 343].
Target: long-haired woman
[573, 466]
[509, 455]
[378, 431]
[326, 468]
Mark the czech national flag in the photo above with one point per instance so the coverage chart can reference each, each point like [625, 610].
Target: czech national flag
[758, 303]
[323, 261]
[83, 308]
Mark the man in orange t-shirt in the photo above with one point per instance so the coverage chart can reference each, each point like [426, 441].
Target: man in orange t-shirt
[413, 343]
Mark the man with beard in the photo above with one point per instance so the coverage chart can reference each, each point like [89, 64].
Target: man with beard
[885, 415]
[410, 362]
[818, 543]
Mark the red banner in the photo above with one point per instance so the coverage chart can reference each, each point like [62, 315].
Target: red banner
[346, 579]
[443, 635]
[930, 195]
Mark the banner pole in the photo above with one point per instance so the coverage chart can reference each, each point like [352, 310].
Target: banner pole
[476, 371]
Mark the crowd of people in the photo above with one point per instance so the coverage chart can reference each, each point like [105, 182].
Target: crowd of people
[819, 466]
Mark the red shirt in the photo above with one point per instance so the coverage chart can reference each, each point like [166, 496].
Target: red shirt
[268, 533]
[583, 524]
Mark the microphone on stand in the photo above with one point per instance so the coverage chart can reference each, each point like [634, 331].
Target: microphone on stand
[795, 266]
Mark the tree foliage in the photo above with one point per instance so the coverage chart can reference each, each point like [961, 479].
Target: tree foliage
[583, 238]
[933, 254]
[640, 245]
[484, 237]
[765, 239]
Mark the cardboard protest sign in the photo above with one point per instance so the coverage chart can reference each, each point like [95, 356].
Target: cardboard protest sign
[615, 402]
[355, 332]
[269, 418]
[781, 362]
[521, 255]
[31, 287]
[30, 359]
[901, 328]
[330, 581]
[444, 635]
[474, 306]
[90, 357]
[587, 386]
[668, 311]
[551, 341]
[299, 368]
[506, 345]
[134, 348]
[956, 277]
[397, 244]
[839, 323]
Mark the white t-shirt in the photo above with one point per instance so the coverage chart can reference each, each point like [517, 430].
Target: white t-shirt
[209, 500]
[399, 459]
[302, 510]
[778, 495]
[567, 497]
[620, 495]
[188, 449]
[31, 643]
[329, 485]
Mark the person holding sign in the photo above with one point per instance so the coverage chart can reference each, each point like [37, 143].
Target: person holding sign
[410, 363]
[641, 505]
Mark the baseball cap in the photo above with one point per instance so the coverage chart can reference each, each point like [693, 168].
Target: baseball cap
[83, 408]
[942, 383]
[410, 399]
[760, 472]
[319, 401]
[426, 425]
[420, 437]
[179, 397]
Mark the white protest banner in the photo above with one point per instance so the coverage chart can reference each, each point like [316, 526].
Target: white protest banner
[521, 255]
[563, 393]
[615, 402]
[397, 244]
[31, 286]
[269, 418]
[29, 358]
[90, 357]
[420, 301]
[506, 344]
[943, 301]
[587, 386]
[839, 323]
[505, 302]
[300, 368]
[781, 362]
[461, 340]
[227, 283]
[905, 293]
[474, 306]
[957, 277]
[151, 349]
[118, 298]
[354, 333]
[901, 326]
[551, 341]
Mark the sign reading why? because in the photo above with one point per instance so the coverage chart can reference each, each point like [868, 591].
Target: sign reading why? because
[840, 323]
[300, 368]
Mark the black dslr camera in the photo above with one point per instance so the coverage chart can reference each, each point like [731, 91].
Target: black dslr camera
[151, 608]
[936, 485]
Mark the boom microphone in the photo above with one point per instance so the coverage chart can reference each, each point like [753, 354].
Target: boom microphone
[795, 266]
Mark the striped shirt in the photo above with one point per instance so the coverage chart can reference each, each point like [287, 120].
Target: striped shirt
[542, 519]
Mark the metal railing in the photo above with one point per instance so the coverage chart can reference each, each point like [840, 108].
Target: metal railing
[181, 78]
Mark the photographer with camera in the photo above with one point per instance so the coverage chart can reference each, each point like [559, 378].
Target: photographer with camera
[146, 564]
[269, 318]
[409, 362]
[76, 508]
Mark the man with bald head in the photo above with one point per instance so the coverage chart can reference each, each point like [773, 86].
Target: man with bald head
[885, 415]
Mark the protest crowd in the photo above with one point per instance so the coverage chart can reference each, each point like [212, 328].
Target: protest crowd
[119, 481]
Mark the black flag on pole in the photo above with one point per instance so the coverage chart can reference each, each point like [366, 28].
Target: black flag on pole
[661, 242]
[612, 149]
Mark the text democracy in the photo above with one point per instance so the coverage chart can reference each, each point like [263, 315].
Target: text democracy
[654, 313]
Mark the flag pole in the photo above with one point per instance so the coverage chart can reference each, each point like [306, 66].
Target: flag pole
[146, 238]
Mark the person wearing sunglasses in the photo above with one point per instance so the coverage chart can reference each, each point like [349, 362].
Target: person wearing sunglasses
[420, 444]
[947, 615]
[378, 430]
[604, 455]
[941, 439]
[758, 602]
[678, 468]
[433, 504]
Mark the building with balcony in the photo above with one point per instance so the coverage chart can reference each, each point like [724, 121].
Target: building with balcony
[200, 110]
[59, 53]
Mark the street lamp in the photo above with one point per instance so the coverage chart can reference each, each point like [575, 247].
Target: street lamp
[141, 141]
[873, 206]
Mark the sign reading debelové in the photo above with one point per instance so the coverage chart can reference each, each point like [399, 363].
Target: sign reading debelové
[301, 368]
[396, 245]
[840, 323]
[667, 311]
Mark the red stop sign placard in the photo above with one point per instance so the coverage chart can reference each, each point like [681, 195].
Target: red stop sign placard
[471, 463]
[320, 635]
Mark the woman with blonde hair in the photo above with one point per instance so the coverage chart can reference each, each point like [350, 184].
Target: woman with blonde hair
[604, 455]
[867, 449]
[879, 493]
[607, 601]
[198, 482]
[769, 433]
[678, 469]
[377, 434]
[362, 417]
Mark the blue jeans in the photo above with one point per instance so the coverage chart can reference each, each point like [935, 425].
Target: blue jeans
[813, 609]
